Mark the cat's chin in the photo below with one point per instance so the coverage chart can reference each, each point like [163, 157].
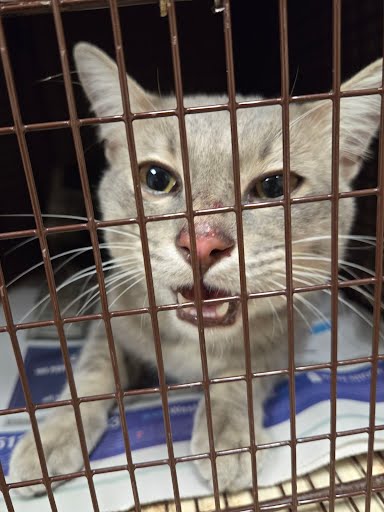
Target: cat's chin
[214, 315]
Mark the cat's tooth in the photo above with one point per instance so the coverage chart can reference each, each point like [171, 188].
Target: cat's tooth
[181, 299]
[222, 309]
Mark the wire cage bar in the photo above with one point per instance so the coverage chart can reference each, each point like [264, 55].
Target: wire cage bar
[363, 487]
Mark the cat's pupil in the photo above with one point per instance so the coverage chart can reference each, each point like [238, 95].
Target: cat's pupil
[273, 186]
[158, 178]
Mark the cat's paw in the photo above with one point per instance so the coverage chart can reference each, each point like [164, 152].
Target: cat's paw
[62, 454]
[230, 431]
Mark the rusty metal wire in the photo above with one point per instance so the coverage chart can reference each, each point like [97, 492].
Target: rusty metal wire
[377, 309]
[283, 25]
[13, 7]
[91, 225]
[336, 56]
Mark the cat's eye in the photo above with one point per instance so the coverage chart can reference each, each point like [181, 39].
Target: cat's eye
[158, 179]
[272, 186]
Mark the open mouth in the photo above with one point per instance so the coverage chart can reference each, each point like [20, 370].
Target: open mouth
[214, 315]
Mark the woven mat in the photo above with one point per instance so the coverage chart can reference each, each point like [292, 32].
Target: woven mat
[346, 471]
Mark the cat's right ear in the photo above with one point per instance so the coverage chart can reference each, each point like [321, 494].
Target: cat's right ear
[359, 119]
[99, 77]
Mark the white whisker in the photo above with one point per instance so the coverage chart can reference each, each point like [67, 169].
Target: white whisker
[340, 261]
[370, 240]
[302, 316]
[304, 301]
[75, 252]
[126, 289]
[319, 275]
[119, 232]
[21, 244]
[89, 271]
[273, 317]
[47, 215]
[354, 309]
[108, 282]
[38, 265]
[71, 217]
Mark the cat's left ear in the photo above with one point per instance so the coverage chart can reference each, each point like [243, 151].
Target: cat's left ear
[359, 118]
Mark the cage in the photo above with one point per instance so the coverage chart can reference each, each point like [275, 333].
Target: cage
[63, 265]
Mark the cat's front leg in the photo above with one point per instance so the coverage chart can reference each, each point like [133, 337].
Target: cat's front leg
[230, 430]
[59, 433]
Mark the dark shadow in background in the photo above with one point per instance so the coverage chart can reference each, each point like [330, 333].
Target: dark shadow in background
[34, 53]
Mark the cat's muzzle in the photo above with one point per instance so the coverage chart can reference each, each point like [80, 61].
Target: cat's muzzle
[214, 315]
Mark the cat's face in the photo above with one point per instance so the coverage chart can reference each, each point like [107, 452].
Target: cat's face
[211, 169]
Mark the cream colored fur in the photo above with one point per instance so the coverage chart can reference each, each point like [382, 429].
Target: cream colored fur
[209, 145]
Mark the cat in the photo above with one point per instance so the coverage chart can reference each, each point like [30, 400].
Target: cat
[161, 175]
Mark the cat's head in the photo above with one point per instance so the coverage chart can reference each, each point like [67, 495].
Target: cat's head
[209, 142]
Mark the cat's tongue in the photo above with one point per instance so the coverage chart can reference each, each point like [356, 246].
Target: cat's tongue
[213, 314]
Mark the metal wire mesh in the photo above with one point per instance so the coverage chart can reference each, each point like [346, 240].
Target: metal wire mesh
[369, 483]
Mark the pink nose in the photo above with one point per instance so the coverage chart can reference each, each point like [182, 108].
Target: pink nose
[211, 245]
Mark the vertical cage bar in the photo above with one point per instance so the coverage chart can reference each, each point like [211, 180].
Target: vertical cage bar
[348, 499]
[232, 105]
[127, 117]
[47, 266]
[94, 239]
[180, 112]
[285, 97]
[4, 490]
[49, 272]
[21, 370]
[377, 304]
[336, 42]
